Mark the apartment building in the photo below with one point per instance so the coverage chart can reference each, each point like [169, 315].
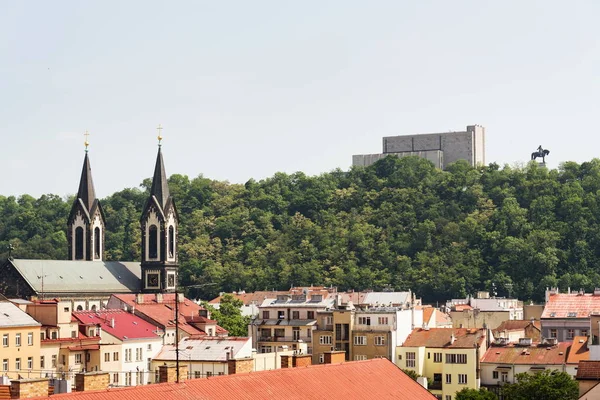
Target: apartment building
[567, 315]
[363, 334]
[20, 334]
[448, 357]
[287, 320]
[483, 311]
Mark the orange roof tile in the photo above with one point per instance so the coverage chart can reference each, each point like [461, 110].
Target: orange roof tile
[377, 378]
[579, 350]
[441, 337]
[531, 355]
[588, 370]
[516, 325]
[427, 313]
[561, 305]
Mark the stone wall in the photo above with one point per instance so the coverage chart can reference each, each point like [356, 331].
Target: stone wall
[28, 388]
[91, 381]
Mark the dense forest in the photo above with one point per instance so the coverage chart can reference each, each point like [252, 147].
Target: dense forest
[398, 224]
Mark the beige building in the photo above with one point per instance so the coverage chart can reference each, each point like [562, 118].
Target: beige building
[484, 311]
[20, 334]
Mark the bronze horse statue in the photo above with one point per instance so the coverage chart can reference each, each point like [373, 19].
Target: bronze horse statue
[540, 153]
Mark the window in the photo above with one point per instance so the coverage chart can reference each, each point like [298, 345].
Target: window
[138, 354]
[77, 358]
[448, 378]
[29, 362]
[448, 397]
[456, 358]
[382, 321]
[30, 339]
[18, 364]
[296, 333]
[197, 374]
[321, 358]
[171, 241]
[360, 340]
[97, 242]
[570, 333]
[63, 359]
[437, 357]
[5, 364]
[310, 315]
[280, 314]
[364, 320]
[411, 359]
[553, 333]
[5, 340]
[325, 340]
[17, 339]
[116, 378]
[73, 334]
[379, 340]
[116, 356]
[462, 379]
[266, 315]
[279, 332]
[149, 347]
[53, 360]
[42, 362]
[106, 357]
[584, 332]
[360, 357]
[152, 244]
[295, 314]
[42, 335]
[494, 374]
[127, 355]
[54, 335]
[128, 379]
[209, 374]
[79, 243]
[504, 376]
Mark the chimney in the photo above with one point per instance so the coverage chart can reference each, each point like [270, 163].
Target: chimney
[139, 298]
[452, 339]
[180, 297]
[301, 360]
[168, 373]
[422, 381]
[159, 297]
[112, 323]
[240, 366]
[86, 381]
[286, 361]
[28, 388]
[334, 357]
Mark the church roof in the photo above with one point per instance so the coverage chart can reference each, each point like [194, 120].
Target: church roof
[63, 276]
[86, 190]
[160, 186]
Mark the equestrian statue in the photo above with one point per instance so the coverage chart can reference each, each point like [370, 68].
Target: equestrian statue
[540, 153]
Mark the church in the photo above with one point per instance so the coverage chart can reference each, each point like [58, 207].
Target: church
[86, 279]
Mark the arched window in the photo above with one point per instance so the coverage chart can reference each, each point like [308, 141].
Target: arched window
[153, 242]
[171, 240]
[94, 306]
[79, 243]
[79, 308]
[97, 242]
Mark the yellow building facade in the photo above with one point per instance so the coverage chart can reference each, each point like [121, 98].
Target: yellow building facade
[20, 347]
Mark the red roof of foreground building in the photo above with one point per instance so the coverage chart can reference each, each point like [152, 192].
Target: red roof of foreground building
[579, 350]
[588, 370]
[377, 378]
[530, 355]
[571, 305]
[442, 337]
[119, 323]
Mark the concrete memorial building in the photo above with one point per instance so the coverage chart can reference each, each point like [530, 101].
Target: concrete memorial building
[86, 279]
[442, 149]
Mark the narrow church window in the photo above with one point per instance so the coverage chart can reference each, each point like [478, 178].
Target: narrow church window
[79, 243]
[171, 240]
[153, 242]
[97, 242]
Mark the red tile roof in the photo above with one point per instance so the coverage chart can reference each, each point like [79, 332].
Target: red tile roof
[531, 355]
[427, 313]
[516, 325]
[579, 350]
[441, 337]
[164, 312]
[588, 370]
[377, 378]
[559, 305]
[120, 324]
[259, 296]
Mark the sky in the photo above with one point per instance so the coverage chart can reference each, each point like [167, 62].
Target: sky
[245, 89]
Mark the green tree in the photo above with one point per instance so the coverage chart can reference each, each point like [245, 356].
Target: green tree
[412, 374]
[545, 385]
[229, 315]
[474, 394]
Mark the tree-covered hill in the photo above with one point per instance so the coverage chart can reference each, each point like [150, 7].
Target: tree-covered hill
[398, 223]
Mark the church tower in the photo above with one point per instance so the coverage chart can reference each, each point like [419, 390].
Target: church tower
[85, 226]
[159, 223]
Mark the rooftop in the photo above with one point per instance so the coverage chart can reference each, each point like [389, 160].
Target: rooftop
[208, 349]
[119, 323]
[530, 355]
[376, 378]
[516, 325]
[13, 316]
[588, 370]
[571, 305]
[442, 338]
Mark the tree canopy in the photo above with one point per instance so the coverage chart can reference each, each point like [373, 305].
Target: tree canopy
[474, 394]
[229, 315]
[399, 223]
[545, 385]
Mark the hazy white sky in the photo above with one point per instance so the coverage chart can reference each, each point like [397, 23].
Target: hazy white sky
[244, 89]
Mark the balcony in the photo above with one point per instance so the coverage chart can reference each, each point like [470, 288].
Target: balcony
[272, 339]
[378, 328]
[435, 385]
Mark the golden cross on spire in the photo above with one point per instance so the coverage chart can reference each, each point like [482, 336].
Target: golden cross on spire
[86, 143]
[159, 129]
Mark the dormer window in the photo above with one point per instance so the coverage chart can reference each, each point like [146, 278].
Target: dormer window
[569, 314]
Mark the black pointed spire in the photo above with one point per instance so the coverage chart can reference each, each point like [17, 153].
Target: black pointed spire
[160, 186]
[86, 191]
